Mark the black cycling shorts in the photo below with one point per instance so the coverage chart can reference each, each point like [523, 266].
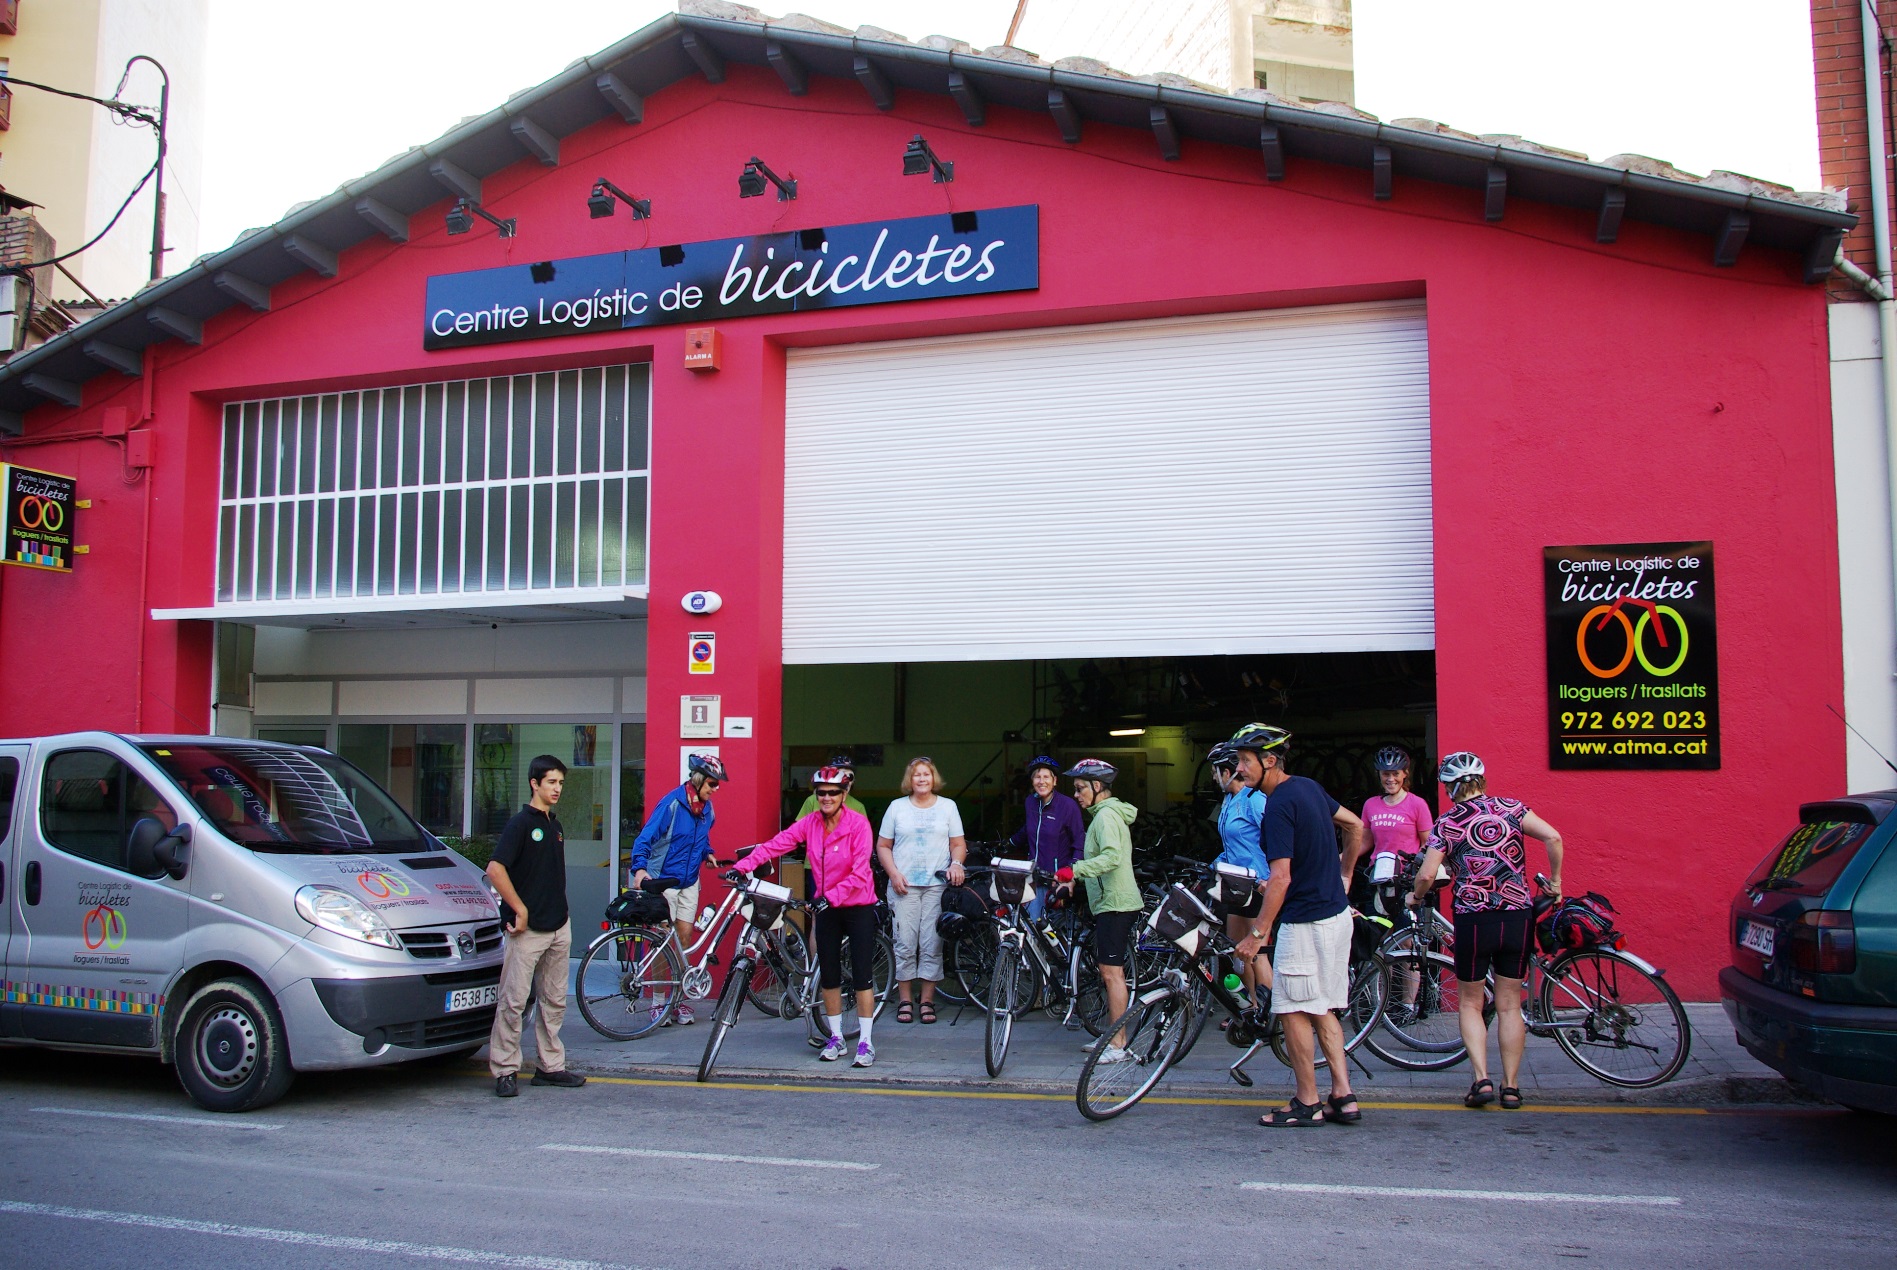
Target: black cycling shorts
[1111, 933]
[858, 921]
[1250, 908]
[1500, 939]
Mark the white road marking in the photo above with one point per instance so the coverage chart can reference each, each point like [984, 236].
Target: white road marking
[345, 1243]
[775, 1161]
[1425, 1192]
[215, 1122]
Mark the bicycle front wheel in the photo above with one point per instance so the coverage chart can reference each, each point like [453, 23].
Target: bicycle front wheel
[1617, 1020]
[1001, 1010]
[628, 981]
[973, 960]
[778, 971]
[725, 1017]
[1420, 1004]
[1152, 1029]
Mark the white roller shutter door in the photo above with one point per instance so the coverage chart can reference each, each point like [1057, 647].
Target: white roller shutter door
[1251, 483]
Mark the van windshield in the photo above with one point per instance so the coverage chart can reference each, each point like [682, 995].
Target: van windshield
[270, 798]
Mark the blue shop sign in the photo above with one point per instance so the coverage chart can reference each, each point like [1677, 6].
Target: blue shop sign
[878, 262]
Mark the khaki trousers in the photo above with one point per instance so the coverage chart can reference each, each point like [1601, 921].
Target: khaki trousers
[536, 960]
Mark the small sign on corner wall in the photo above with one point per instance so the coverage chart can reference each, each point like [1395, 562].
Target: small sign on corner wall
[701, 652]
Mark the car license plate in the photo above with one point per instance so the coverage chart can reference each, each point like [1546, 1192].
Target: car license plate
[473, 998]
[1760, 939]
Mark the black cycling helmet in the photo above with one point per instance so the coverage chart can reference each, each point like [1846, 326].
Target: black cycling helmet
[1224, 754]
[1042, 760]
[706, 765]
[1093, 769]
[844, 764]
[1393, 758]
[1261, 737]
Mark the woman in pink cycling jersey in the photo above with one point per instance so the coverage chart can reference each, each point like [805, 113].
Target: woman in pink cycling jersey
[1399, 821]
[838, 847]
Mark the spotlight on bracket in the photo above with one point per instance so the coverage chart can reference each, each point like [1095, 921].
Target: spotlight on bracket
[751, 181]
[918, 158]
[605, 195]
[461, 218]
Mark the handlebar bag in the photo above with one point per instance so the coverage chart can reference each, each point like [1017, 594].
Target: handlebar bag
[1009, 881]
[763, 904]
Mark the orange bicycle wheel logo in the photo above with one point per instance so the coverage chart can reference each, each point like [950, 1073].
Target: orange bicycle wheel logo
[104, 928]
[1653, 621]
[382, 886]
[35, 512]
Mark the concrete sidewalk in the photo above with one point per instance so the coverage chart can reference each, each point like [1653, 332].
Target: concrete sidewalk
[1045, 1058]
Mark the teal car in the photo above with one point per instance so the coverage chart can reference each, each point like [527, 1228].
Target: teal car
[1812, 988]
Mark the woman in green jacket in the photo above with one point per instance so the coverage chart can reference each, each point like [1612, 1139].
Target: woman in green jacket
[1112, 891]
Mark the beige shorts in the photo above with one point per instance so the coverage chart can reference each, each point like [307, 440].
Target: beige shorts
[684, 902]
[1310, 972]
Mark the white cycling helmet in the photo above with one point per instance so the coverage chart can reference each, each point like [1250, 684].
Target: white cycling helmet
[1459, 767]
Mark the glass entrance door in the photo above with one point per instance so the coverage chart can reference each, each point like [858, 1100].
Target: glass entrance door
[502, 753]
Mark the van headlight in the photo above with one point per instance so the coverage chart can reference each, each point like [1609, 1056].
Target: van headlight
[343, 913]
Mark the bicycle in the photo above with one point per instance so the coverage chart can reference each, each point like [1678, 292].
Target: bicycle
[1156, 1023]
[762, 906]
[634, 975]
[1055, 953]
[1609, 1010]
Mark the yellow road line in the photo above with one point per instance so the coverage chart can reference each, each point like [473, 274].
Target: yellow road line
[1166, 1100]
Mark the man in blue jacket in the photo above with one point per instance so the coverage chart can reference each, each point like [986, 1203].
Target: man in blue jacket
[1055, 834]
[673, 847]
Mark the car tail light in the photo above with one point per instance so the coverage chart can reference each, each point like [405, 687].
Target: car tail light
[1823, 942]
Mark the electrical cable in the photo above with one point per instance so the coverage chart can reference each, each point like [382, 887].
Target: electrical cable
[53, 260]
[124, 109]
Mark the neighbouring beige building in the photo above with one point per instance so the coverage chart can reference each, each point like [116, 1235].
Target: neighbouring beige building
[1298, 49]
[77, 160]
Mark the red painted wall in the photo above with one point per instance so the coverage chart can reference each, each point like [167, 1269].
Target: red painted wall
[1580, 393]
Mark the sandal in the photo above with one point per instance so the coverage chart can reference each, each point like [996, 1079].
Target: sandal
[1337, 1113]
[928, 1011]
[1295, 1115]
[1511, 1098]
[905, 1012]
[1481, 1093]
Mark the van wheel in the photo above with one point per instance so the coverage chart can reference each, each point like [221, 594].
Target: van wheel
[231, 1053]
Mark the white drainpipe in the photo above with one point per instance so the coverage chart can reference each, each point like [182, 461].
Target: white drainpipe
[1881, 290]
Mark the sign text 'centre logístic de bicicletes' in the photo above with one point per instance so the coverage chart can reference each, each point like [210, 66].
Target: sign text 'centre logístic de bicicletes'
[877, 262]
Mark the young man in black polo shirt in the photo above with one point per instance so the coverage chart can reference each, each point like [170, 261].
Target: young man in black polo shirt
[529, 871]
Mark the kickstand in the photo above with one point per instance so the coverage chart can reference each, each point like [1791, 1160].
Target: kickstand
[1237, 1070]
[1367, 1073]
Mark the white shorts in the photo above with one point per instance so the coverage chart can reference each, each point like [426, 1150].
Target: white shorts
[1310, 972]
[684, 902]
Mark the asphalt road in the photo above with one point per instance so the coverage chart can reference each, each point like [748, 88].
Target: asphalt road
[107, 1165]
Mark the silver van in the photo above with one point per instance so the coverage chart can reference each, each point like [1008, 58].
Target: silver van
[240, 909]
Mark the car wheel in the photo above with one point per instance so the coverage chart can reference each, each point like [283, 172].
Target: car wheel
[231, 1053]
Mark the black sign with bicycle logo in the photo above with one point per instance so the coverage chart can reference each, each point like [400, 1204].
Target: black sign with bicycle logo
[1633, 658]
[36, 518]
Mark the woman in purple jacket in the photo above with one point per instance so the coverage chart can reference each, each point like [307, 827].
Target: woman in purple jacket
[1055, 834]
[838, 848]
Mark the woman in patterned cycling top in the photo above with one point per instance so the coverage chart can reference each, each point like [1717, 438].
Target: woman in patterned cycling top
[1481, 837]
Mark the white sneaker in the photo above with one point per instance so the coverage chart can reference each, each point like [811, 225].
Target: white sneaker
[865, 1054]
[683, 1016]
[1116, 1054]
[658, 1017]
[832, 1050]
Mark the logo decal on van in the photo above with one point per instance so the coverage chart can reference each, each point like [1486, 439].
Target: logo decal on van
[382, 885]
[103, 928]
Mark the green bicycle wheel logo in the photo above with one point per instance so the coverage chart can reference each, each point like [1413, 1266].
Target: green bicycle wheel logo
[1653, 621]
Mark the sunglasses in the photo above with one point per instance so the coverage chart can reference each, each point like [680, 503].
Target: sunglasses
[829, 793]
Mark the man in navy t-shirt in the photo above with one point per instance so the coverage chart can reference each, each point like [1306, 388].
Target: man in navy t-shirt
[1306, 896]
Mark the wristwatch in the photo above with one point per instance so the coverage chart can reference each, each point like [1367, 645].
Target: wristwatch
[1257, 934]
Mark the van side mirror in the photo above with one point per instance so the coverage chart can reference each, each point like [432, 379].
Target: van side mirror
[151, 851]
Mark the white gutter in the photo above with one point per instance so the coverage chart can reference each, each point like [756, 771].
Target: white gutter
[1885, 296]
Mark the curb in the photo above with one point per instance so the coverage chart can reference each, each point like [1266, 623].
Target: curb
[1737, 1091]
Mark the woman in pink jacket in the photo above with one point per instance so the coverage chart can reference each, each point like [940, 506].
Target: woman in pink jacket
[838, 846]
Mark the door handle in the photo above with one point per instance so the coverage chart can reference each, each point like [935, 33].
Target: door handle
[32, 887]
